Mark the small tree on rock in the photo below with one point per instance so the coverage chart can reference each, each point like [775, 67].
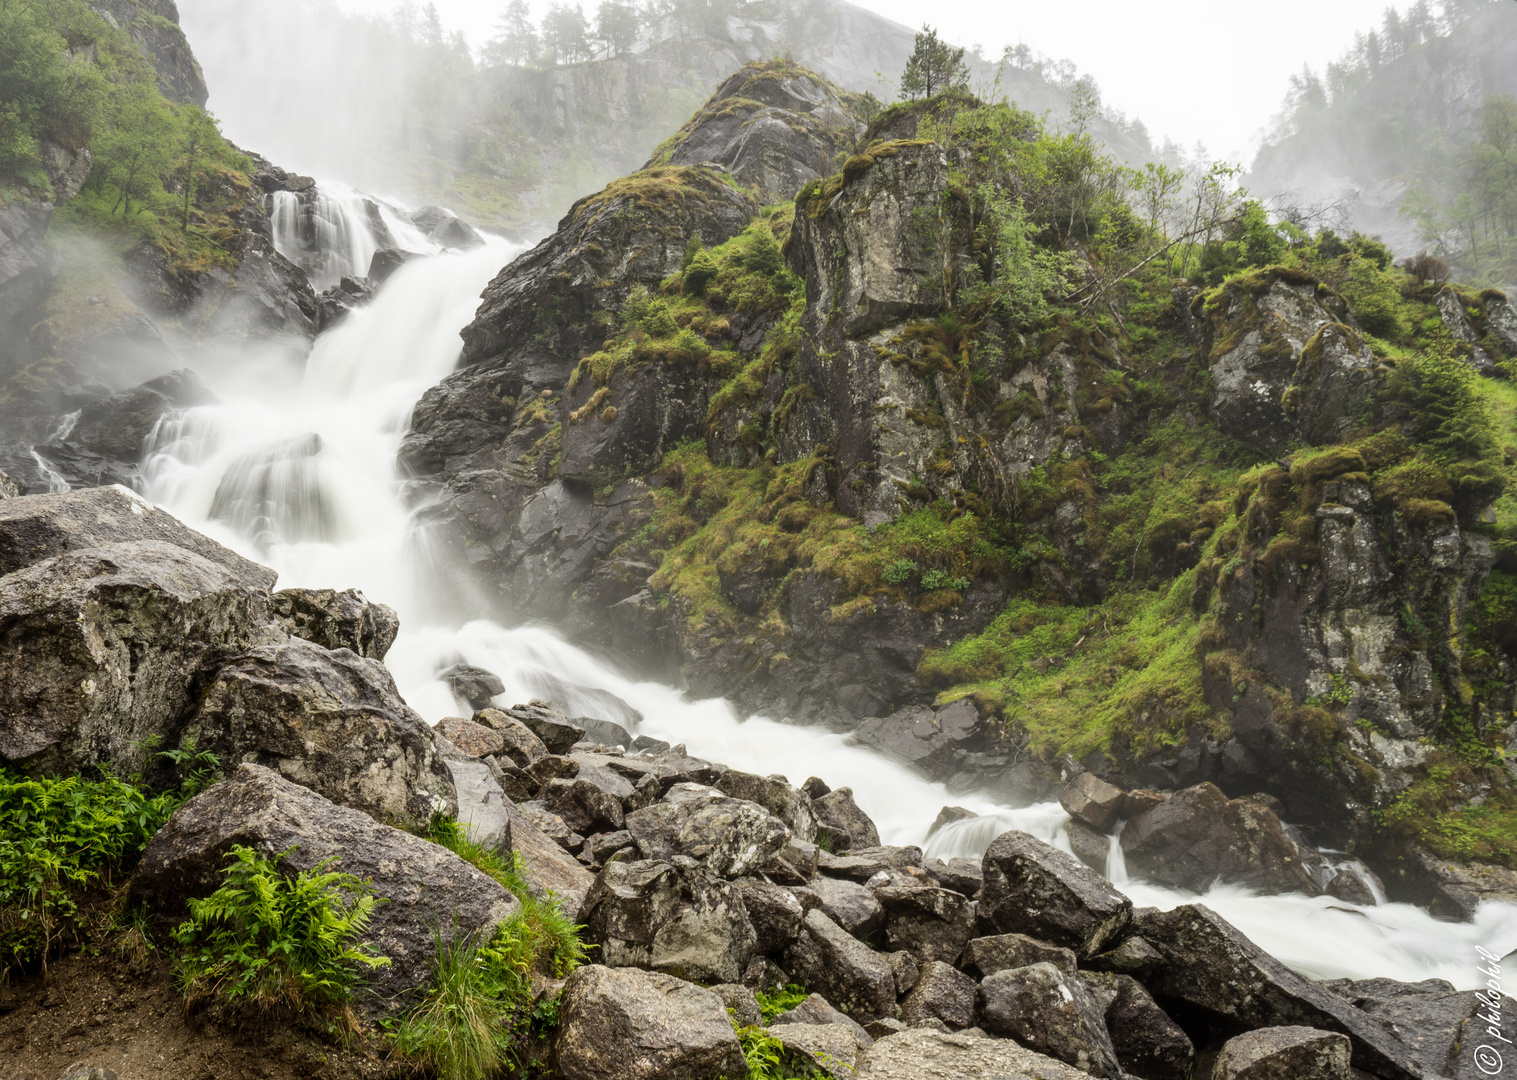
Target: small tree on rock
[934, 67]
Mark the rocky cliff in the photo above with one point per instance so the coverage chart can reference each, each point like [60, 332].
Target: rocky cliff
[800, 462]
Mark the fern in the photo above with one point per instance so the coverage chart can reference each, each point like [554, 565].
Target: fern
[277, 942]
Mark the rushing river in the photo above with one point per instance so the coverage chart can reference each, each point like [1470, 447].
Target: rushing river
[297, 470]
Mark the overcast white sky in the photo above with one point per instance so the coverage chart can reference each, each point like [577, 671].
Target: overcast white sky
[1190, 69]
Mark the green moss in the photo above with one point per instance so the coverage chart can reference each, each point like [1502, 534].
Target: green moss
[1435, 812]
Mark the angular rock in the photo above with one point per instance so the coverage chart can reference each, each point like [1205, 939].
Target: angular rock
[1199, 835]
[934, 741]
[984, 956]
[1284, 1053]
[522, 746]
[838, 966]
[483, 809]
[774, 912]
[941, 993]
[947, 816]
[337, 620]
[332, 721]
[960, 873]
[548, 724]
[1213, 968]
[429, 889]
[663, 917]
[1149, 1044]
[1092, 800]
[932, 924]
[841, 824]
[1091, 846]
[1135, 957]
[815, 787]
[820, 1050]
[774, 794]
[1032, 887]
[474, 740]
[1501, 320]
[604, 845]
[740, 1002]
[474, 685]
[551, 767]
[731, 837]
[816, 1010]
[850, 905]
[1046, 1011]
[38, 527]
[1441, 1027]
[552, 826]
[861, 864]
[907, 969]
[549, 869]
[101, 648]
[921, 1054]
[603, 732]
[584, 807]
[625, 1024]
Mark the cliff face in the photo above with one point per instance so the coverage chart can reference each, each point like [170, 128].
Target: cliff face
[800, 467]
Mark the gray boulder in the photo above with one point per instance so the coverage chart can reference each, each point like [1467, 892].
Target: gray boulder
[337, 620]
[849, 904]
[984, 956]
[625, 1024]
[100, 648]
[774, 794]
[731, 837]
[663, 917]
[941, 993]
[1051, 1013]
[1199, 835]
[1439, 1025]
[934, 741]
[835, 964]
[472, 684]
[522, 746]
[1149, 1044]
[429, 890]
[774, 912]
[1034, 888]
[603, 732]
[960, 873]
[947, 816]
[1284, 1053]
[483, 809]
[470, 739]
[820, 1050]
[923, 1054]
[548, 724]
[815, 1010]
[740, 1002]
[584, 807]
[332, 721]
[931, 924]
[1501, 320]
[549, 868]
[1214, 969]
[38, 527]
[1092, 800]
[862, 864]
[1134, 956]
[841, 825]
[1090, 845]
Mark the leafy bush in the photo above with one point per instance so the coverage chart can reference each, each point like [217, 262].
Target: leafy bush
[774, 1002]
[900, 572]
[277, 942]
[59, 836]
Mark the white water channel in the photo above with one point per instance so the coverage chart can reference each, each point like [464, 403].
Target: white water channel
[298, 471]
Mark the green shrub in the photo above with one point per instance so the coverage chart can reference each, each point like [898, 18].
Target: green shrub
[276, 942]
[774, 1002]
[900, 572]
[58, 837]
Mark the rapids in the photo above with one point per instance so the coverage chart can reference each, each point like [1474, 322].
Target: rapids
[297, 469]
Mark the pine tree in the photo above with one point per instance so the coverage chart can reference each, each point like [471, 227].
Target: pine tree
[616, 26]
[566, 34]
[934, 67]
[515, 40]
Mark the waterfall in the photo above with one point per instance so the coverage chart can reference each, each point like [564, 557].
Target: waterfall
[333, 232]
[299, 472]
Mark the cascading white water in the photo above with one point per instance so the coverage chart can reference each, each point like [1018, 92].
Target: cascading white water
[219, 469]
[333, 234]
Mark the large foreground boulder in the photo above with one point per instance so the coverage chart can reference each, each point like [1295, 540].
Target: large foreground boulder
[429, 890]
[924, 1054]
[1199, 836]
[39, 527]
[332, 721]
[626, 1024]
[1046, 1010]
[830, 961]
[338, 620]
[1036, 889]
[100, 647]
[1222, 975]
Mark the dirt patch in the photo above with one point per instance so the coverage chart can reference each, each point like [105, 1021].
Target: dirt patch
[127, 1016]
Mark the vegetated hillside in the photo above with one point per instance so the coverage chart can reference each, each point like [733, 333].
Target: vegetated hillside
[958, 425]
[1415, 128]
[511, 137]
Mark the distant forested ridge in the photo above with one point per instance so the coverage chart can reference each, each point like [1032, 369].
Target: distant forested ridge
[1415, 127]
